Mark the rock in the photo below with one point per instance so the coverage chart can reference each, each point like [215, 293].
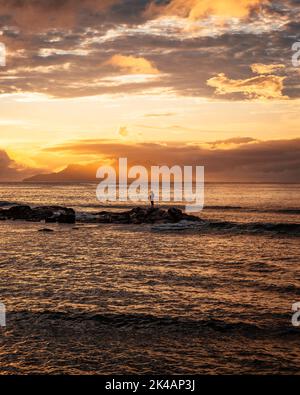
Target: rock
[137, 215]
[51, 220]
[175, 214]
[49, 214]
[121, 218]
[46, 230]
[140, 215]
[192, 218]
[63, 215]
[18, 212]
[68, 218]
[54, 214]
[2, 215]
[104, 217]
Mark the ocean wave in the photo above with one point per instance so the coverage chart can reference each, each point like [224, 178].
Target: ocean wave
[4, 203]
[257, 227]
[292, 229]
[288, 210]
[224, 208]
[276, 325]
[293, 211]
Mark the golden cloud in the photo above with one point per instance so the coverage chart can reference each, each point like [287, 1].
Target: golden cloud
[133, 65]
[260, 68]
[247, 160]
[259, 87]
[197, 9]
[40, 69]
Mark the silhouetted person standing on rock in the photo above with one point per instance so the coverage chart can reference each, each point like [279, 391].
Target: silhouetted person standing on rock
[151, 198]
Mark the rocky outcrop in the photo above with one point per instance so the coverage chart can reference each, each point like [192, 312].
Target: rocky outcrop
[141, 215]
[48, 214]
[57, 214]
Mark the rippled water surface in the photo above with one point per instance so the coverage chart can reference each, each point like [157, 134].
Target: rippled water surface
[140, 299]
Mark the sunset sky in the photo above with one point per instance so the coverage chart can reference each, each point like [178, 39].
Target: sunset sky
[189, 81]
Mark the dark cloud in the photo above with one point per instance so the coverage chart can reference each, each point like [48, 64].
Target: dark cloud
[260, 161]
[37, 15]
[86, 34]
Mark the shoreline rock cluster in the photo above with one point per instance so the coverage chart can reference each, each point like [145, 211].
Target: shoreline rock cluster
[49, 214]
[64, 215]
[139, 215]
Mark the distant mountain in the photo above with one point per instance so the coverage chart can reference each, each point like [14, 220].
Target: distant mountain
[72, 173]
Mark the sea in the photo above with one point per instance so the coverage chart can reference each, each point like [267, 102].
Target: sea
[208, 298]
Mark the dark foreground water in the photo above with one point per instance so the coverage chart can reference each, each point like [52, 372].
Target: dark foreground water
[104, 299]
